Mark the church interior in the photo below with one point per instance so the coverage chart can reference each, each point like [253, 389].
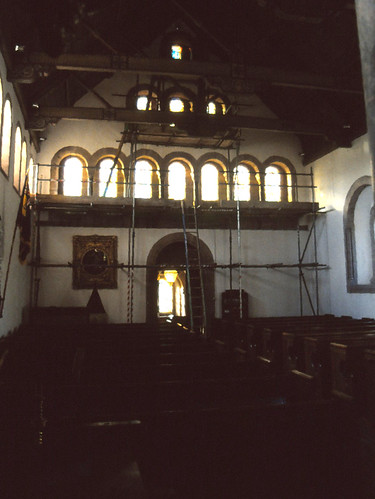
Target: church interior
[187, 249]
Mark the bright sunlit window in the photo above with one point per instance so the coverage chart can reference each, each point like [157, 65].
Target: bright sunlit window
[143, 180]
[241, 181]
[17, 158]
[23, 164]
[272, 184]
[6, 136]
[32, 176]
[147, 101]
[176, 52]
[171, 294]
[165, 297]
[73, 177]
[216, 107]
[176, 105]
[142, 103]
[176, 181]
[108, 175]
[210, 182]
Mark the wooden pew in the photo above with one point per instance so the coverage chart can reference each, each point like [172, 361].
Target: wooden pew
[318, 355]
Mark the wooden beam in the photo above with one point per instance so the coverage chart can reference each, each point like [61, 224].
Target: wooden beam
[111, 63]
[202, 123]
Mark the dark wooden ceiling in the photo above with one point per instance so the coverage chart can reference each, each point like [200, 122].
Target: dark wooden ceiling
[301, 57]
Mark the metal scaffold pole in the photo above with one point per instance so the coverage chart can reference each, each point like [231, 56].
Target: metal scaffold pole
[131, 238]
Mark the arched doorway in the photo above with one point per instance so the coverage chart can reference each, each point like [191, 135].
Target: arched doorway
[167, 253]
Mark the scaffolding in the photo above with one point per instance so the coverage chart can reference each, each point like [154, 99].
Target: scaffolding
[191, 265]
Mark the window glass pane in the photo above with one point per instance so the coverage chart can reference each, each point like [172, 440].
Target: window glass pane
[17, 159]
[211, 108]
[105, 167]
[210, 183]
[241, 180]
[176, 181]
[179, 298]
[73, 170]
[176, 105]
[176, 51]
[23, 164]
[216, 106]
[272, 184]
[142, 103]
[165, 298]
[6, 136]
[143, 176]
[32, 176]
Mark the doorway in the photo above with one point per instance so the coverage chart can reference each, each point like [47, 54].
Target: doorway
[171, 293]
[169, 255]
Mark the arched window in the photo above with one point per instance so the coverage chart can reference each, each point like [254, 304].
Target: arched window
[216, 105]
[74, 177]
[241, 183]
[277, 183]
[111, 179]
[176, 51]
[17, 159]
[272, 184]
[180, 105]
[143, 179]
[23, 164]
[33, 170]
[147, 100]
[6, 133]
[359, 237]
[179, 100]
[176, 180]
[210, 182]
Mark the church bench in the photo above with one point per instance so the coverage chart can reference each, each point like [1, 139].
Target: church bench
[293, 351]
[277, 348]
[348, 368]
[318, 355]
[117, 371]
[139, 399]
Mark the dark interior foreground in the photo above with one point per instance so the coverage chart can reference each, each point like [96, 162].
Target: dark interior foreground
[137, 411]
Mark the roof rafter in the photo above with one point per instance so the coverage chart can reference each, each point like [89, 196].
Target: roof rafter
[37, 64]
[45, 115]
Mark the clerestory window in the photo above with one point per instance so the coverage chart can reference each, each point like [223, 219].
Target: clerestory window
[210, 182]
[176, 181]
[6, 134]
[241, 183]
[74, 177]
[111, 178]
[143, 179]
[176, 52]
[17, 159]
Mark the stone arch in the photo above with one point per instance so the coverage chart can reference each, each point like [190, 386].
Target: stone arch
[350, 238]
[56, 171]
[151, 272]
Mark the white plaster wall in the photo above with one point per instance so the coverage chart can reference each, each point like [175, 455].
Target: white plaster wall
[271, 291]
[18, 288]
[334, 174]
[94, 135]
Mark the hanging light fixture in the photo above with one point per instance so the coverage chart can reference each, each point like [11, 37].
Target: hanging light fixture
[170, 276]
